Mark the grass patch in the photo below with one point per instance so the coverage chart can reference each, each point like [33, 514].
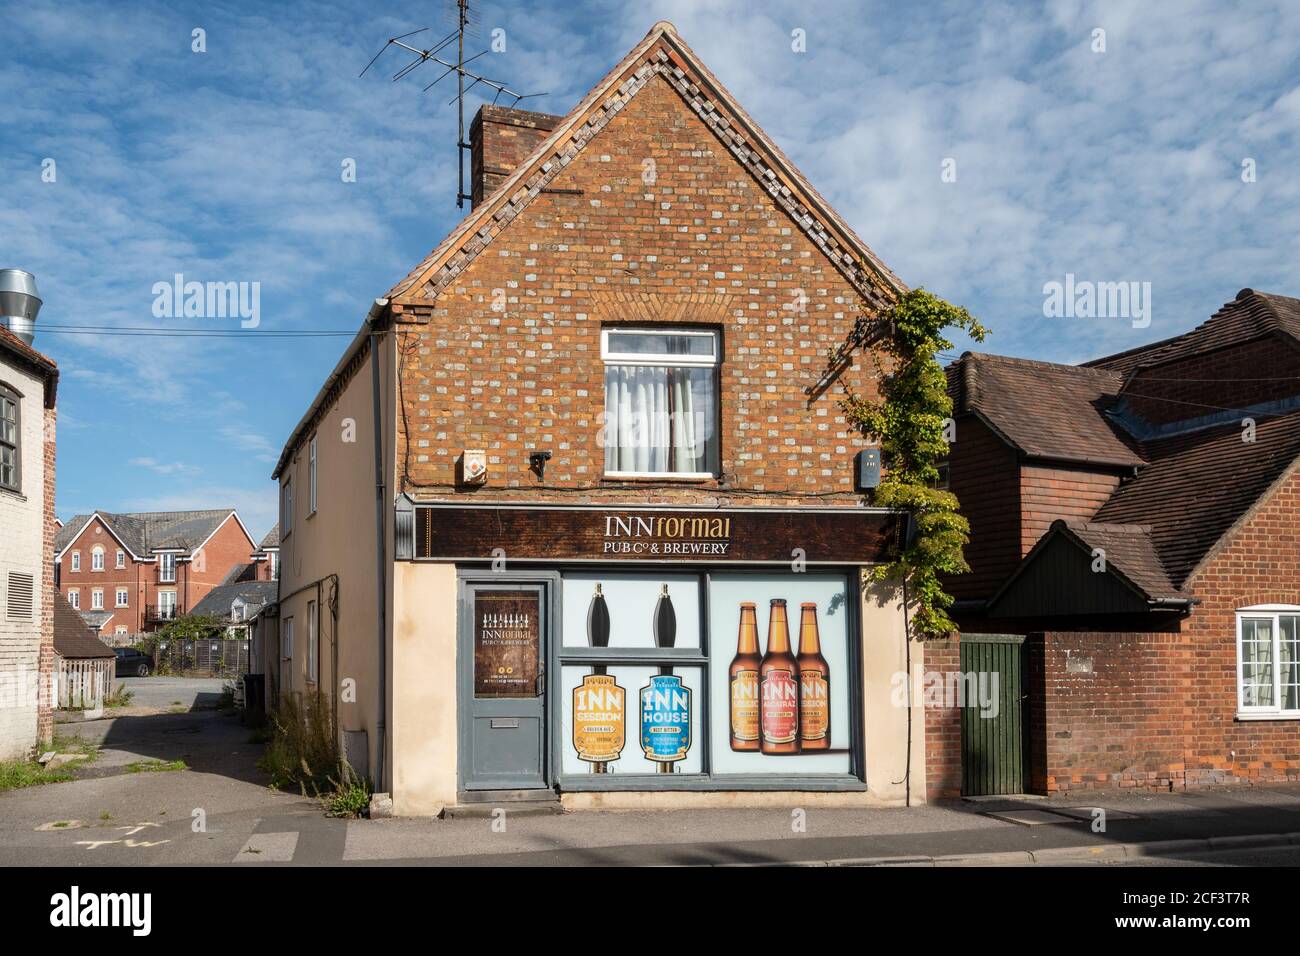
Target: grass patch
[302, 754]
[75, 745]
[156, 766]
[105, 815]
[121, 697]
[16, 774]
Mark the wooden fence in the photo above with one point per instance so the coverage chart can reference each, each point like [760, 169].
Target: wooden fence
[84, 684]
[209, 658]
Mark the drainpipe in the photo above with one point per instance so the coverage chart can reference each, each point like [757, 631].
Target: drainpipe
[381, 571]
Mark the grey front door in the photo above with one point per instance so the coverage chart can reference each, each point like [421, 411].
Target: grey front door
[503, 679]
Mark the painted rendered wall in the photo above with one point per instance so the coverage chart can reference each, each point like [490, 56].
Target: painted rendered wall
[424, 738]
[22, 537]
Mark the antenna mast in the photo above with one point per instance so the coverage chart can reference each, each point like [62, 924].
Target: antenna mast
[464, 25]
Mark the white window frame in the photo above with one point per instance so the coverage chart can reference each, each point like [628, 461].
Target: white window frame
[1258, 711]
[97, 599]
[286, 642]
[714, 361]
[274, 558]
[97, 558]
[74, 598]
[122, 598]
[121, 630]
[76, 560]
[313, 659]
[311, 472]
[171, 604]
[120, 562]
[167, 567]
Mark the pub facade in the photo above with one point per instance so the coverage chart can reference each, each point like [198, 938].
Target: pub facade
[577, 516]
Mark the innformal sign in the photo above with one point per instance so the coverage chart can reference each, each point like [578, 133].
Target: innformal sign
[756, 536]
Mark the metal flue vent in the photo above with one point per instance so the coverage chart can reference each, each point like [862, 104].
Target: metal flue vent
[19, 303]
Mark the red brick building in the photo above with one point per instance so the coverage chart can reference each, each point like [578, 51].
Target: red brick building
[604, 397]
[1135, 558]
[129, 573]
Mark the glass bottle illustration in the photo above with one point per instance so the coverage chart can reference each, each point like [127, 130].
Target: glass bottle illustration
[814, 685]
[742, 679]
[778, 680]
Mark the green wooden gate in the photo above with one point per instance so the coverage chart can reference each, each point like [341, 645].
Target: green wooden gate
[992, 717]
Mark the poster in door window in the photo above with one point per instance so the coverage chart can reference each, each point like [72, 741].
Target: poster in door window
[507, 643]
[779, 673]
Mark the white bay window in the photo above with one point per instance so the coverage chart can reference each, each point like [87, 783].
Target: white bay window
[661, 402]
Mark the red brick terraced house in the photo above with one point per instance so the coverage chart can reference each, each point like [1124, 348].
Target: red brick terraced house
[129, 573]
[603, 482]
[1135, 558]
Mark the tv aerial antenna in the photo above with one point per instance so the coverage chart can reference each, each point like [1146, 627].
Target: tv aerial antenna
[439, 54]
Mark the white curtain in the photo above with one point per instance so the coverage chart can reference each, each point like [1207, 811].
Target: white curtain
[659, 420]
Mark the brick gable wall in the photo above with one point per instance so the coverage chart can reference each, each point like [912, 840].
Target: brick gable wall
[702, 242]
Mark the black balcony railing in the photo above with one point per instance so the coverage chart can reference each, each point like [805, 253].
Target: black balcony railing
[153, 613]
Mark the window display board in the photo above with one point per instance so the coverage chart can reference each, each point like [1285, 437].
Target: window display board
[724, 677]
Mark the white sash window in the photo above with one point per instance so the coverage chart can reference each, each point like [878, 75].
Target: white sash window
[661, 402]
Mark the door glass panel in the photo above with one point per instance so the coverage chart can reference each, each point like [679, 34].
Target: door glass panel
[507, 629]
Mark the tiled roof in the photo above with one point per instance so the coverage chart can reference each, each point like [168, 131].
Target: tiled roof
[256, 594]
[1195, 486]
[143, 532]
[1249, 316]
[272, 538]
[73, 637]
[1045, 410]
[1130, 551]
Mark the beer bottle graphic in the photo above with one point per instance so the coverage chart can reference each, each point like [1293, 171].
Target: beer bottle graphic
[814, 685]
[743, 679]
[778, 681]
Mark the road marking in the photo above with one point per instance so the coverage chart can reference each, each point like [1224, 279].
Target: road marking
[269, 848]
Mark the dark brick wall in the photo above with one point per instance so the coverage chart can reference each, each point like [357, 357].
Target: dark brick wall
[500, 139]
[1233, 377]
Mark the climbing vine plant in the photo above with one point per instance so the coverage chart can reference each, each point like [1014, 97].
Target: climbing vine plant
[910, 421]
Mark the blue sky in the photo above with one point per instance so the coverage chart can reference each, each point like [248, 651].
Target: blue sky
[1122, 165]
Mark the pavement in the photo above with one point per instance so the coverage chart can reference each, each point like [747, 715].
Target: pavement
[220, 811]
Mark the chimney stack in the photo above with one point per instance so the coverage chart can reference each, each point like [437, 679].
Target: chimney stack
[500, 139]
[19, 303]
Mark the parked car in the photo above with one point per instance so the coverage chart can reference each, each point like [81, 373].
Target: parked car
[132, 662]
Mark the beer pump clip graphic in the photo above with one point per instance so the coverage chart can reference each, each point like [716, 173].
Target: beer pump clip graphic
[665, 701]
[599, 703]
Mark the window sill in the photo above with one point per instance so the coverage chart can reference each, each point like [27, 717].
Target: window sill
[682, 476]
[1282, 715]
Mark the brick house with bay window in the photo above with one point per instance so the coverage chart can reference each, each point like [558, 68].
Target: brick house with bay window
[1136, 555]
[130, 573]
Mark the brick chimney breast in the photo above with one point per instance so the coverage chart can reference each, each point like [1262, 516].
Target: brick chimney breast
[500, 139]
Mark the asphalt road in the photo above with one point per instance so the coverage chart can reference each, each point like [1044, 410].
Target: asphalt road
[220, 811]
